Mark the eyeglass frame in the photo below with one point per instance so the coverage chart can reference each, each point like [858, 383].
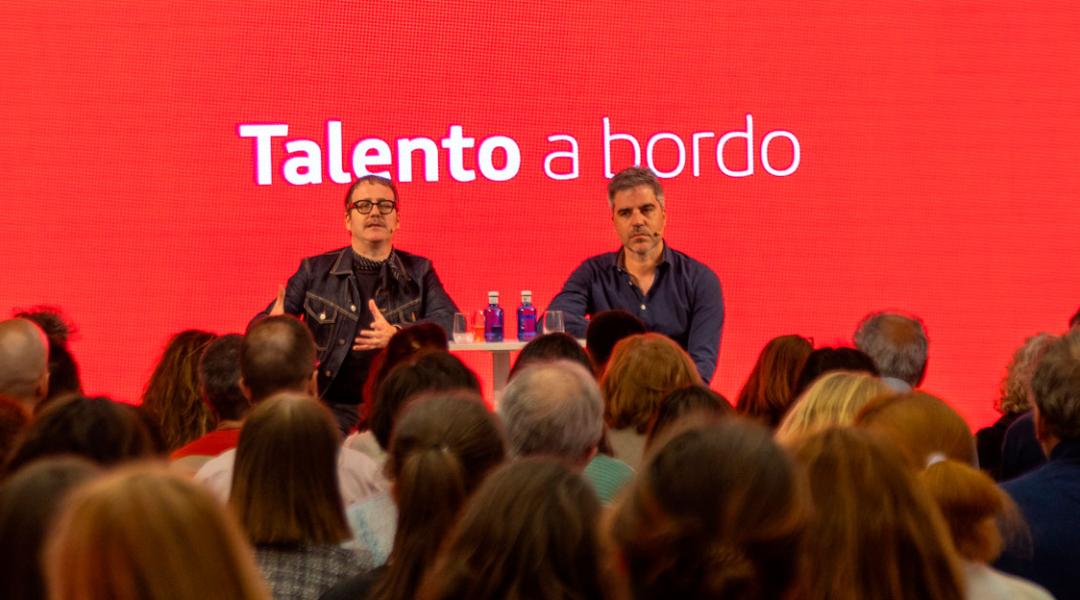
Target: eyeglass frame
[381, 204]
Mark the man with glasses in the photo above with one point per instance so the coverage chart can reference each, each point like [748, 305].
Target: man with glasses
[353, 299]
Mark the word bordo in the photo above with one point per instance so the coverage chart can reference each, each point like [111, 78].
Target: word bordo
[746, 137]
[373, 156]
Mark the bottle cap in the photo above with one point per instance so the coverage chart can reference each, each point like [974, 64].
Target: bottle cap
[526, 295]
[493, 297]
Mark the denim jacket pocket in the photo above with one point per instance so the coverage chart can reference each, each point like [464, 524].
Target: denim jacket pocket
[322, 316]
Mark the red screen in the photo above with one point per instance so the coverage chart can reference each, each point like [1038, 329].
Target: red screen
[917, 156]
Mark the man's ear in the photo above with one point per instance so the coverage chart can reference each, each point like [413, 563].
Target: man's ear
[313, 384]
[1042, 432]
[244, 389]
[41, 390]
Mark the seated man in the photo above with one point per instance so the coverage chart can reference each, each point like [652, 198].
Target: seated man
[1049, 496]
[670, 292]
[219, 380]
[554, 409]
[353, 299]
[898, 344]
[277, 356]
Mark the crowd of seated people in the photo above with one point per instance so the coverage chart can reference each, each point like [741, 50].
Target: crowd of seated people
[607, 472]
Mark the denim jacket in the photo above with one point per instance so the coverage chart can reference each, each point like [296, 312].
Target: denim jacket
[323, 292]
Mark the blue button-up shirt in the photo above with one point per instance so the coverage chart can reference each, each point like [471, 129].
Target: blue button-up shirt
[684, 303]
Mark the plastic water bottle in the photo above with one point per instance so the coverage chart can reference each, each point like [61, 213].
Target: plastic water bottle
[493, 319]
[526, 317]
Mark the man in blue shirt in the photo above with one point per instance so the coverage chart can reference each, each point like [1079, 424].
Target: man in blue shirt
[670, 292]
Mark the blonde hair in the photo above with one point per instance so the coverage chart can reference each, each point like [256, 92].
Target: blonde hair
[833, 399]
[643, 370]
[975, 508]
[143, 533]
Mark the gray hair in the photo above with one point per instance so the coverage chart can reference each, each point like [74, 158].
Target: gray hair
[897, 344]
[553, 408]
[1056, 387]
[630, 178]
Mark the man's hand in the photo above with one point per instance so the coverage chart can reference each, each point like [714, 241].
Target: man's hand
[279, 302]
[380, 333]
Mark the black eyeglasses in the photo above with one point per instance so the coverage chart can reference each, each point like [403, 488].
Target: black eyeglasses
[364, 206]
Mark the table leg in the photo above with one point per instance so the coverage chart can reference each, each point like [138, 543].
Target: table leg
[500, 369]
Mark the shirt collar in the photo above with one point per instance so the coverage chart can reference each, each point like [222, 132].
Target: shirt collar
[620, 258]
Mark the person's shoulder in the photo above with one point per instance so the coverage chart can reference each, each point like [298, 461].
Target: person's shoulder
[323, 262]
[411, 259]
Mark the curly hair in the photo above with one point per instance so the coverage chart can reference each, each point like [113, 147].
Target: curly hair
[172, 395]
[1016, 385]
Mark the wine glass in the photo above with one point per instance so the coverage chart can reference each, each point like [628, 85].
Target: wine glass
[553, 321]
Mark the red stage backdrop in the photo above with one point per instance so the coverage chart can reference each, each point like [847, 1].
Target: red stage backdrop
[168, 164]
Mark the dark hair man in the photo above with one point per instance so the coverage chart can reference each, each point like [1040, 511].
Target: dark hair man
[898, 345]
[219, 380]
[353, 299]
[1049, 497]
[277, 356]
[670, 292]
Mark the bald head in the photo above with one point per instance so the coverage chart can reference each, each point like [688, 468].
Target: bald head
[24, 361]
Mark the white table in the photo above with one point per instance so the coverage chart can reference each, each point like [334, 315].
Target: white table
[500, 357]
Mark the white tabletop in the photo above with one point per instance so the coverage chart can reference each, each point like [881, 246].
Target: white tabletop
[505, 346]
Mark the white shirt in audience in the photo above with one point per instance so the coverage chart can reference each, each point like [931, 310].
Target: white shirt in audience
[984, 583]
[358, 476]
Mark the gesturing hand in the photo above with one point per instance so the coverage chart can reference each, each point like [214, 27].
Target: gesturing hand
[380, 333]
[279, 302]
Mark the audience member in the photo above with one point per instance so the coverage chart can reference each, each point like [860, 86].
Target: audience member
[718, 511]
[833, 399]
[172, 394]
[29, 502]
[442, 449]
[1014, 401]
[1021, 452]
[278, 355]
[285, 496]
[219, 382]
[530, 531]
[605, 329]
[1049, 496]
[404, 345]
[826, 360]
[551, 346]
[554, 409]
[769, 390]
[897, 344]
[24, 363]
[684, 402]
[922, 427]
[64, 378]
[98, 429]
[643, 370]
[974, 508]
[142, 533]
[875, 533]
[429, 371]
